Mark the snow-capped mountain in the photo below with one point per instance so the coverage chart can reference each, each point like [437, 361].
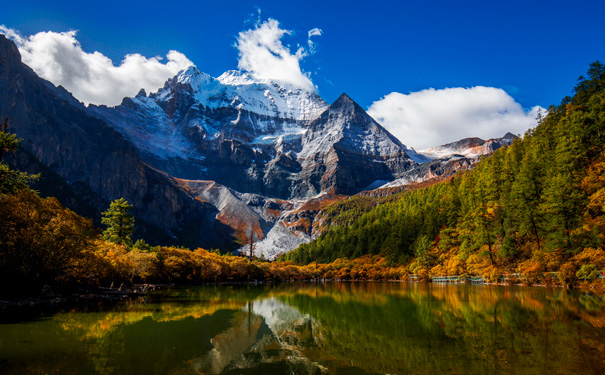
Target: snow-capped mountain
[239, 90]
[175, 127]
[468, 147]
[259, 137]
[345, 150]
[215, 160]
[445, 160]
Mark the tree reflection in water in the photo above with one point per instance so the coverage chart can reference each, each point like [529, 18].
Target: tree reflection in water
[339, 328]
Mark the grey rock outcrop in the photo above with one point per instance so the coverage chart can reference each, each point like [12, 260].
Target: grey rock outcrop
[84, 150]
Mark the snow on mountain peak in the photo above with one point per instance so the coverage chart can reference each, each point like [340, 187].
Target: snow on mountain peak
[240, 90]
[468, 147]
[236, 77]
[194, 77]
[345, 122]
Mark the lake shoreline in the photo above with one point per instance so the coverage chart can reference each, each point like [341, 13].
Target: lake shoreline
[36, 306]
[326, 327]
[49, 303]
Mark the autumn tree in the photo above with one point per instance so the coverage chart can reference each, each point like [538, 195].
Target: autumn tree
[533, 205]
[41, 243]
[119, 222]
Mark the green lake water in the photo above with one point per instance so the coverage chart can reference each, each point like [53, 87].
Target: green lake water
[329, 328]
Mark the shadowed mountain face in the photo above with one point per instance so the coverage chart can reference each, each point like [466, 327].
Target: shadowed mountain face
[84, 151]
[257, 137]
[208, 161]
[345, 150]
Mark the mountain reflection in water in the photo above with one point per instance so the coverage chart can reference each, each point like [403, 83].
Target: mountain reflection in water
[331, 328]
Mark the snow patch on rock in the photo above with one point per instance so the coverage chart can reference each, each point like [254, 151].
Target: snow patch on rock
[239, 90]
[280, 239]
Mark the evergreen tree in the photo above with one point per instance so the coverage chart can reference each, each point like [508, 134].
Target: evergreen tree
[533, 206]
[422, 252]
[10, 180]
[120, 223]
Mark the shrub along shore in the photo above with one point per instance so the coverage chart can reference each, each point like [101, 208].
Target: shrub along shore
[536, 208]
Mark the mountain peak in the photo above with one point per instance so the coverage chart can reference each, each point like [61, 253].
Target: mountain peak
[344, 98]
[509, 137]
[345, 104]
[236, 77]
[193, 76]
[9, 54]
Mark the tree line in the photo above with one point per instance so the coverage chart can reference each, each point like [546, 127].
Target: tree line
[535, 206]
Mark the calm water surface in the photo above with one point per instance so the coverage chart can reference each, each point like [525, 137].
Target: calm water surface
[333, 328]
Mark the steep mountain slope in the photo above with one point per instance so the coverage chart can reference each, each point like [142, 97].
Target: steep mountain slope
[85, 151]
[533, 207]
[225, 129]
[345, 150]
[257, 137]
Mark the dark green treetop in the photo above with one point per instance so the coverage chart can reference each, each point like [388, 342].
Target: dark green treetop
[10, 180]
[120, 223]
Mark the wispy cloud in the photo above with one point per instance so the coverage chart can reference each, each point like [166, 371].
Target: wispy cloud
[310, 43]
[262, 54]
[93, 77]
[434, 117]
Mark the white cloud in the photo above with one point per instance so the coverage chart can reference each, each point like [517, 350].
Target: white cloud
[313, 32]
[263, 55]
[92, 77]
[434, 117]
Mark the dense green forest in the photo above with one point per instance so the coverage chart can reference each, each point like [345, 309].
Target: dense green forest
[535, 206]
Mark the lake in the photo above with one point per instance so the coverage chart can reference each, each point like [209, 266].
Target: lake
[325, 328]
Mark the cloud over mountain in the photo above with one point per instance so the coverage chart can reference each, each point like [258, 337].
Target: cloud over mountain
[93, 77]
[433, 117]
[262, 53]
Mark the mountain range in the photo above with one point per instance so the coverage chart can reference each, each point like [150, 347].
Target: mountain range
[213, 162]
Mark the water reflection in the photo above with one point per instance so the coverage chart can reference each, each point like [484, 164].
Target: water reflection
[266, 337]
[332, 328]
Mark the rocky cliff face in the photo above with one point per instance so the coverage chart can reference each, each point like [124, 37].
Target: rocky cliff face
[83, 150]
[209, 161]
[231, 129]
[345, 150]
[257, 137]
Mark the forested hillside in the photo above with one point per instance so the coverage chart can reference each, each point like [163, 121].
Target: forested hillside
[535, 206]
[46, 247]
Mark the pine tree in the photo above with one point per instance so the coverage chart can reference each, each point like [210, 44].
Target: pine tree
[11, 181]
[120, 223]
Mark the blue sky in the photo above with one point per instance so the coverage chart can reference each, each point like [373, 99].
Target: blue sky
[534, 50]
